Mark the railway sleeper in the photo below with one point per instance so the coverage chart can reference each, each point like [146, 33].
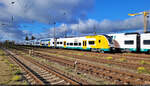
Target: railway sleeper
[45, 75]
[59, 82]
[54, 79]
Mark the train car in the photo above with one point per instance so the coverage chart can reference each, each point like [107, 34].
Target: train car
[36, 43]
[126, 42]
[145, 42]
[29, 42]
[100, 43]
[45, 42]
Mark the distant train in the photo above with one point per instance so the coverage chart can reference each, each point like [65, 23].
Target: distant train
[123, 42]
[99, 43]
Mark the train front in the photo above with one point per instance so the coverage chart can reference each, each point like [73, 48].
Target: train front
[111, 44]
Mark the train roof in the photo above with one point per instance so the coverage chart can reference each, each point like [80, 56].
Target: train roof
[131, 33]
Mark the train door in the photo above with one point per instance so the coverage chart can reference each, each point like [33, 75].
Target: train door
[84, 44]
[64, 44]
[48, 43]
[138, 42]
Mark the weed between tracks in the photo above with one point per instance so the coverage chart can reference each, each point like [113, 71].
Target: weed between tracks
[123, 60]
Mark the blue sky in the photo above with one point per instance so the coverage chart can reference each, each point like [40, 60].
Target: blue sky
[103, 9]
[81, 16]
[117, 9]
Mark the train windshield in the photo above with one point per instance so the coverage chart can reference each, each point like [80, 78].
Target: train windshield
[109, 39]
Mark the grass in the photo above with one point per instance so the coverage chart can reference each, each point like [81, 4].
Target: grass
[123, 60]
[17, 72]
[109, 58]
[69, 69]
[16, 78]
[141, 70]
[143, 62]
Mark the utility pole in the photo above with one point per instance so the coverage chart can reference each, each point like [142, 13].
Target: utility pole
[146, 15]
[94, 30]
[54, 34]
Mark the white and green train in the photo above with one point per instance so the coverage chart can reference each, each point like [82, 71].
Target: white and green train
[100, 43]
[133, 42]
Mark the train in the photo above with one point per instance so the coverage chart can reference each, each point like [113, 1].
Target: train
[119, 42]
[98, 43]
[132, 42]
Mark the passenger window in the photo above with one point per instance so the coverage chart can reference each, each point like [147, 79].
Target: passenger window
[91, 42]
[129, 42]
[146, 42]
[71, 44]
[75, 44]
[79, 44]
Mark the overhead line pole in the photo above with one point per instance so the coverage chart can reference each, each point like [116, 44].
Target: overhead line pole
[54, 34]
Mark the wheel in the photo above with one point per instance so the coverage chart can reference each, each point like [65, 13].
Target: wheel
[101, 51]
[93, 50]
[148, 52]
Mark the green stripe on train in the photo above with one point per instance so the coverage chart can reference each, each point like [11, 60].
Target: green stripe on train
[145, 50]
[130, 49]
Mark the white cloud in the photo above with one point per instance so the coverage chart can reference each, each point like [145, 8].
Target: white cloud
[60, 11]
[44, 11]
[101, 27]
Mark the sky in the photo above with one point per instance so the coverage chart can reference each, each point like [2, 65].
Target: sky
[19, 18]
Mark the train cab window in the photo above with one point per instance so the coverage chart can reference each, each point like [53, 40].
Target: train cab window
[71, 44]
[67, 43]
[91, 42]
[146, 42]
[53, 42]
[75, 44]
[129, 42]
[99, 41]
[79, 44]
[60, 42]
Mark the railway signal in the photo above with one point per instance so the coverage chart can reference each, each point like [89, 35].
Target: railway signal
[145, 14]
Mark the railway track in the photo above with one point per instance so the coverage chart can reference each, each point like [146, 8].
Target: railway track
[115, 75]
[108, 73]
[115, 56]
[40, 74]
[129, 65]
[129, 56]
